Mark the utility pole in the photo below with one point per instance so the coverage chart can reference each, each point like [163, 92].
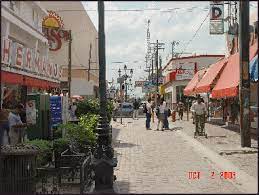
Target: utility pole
[89, 61]
[174, 43]
[157, 46]
[69, 63]
[244, 88]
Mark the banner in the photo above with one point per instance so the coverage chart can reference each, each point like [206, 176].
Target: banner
[185, 71]
[28, 60]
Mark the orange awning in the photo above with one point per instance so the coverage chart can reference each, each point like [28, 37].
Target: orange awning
[227, 85]
[209, 78]
[189, 89]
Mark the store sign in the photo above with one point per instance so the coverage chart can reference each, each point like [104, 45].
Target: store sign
[217, 17]
[139, 83]
[16, 56]
[184, 71]
[52, 26]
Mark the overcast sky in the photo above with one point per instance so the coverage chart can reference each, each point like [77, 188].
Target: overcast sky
[126, 31]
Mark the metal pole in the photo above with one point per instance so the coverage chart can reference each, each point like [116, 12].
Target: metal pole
[156, 67]
[0, 87]
[89, 61]
[126, 91]
[244, 88]
[69, 63]
[187, 109]
[103, 161]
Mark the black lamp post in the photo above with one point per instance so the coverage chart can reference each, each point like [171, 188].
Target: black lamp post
[103, 161]
[126, 76]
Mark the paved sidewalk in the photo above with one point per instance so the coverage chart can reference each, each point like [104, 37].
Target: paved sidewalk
[226, 143]
[159, 162]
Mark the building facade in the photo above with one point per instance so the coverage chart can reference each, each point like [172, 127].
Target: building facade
[25, 63]
[84, 47]
[179, 71]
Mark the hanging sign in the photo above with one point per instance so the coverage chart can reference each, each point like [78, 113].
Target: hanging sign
[217, 17]
[52, 26]
[17, 57]
[139, 83]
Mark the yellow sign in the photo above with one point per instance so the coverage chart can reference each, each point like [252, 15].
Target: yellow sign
[53, 20]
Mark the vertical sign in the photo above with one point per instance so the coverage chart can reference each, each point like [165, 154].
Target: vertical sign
[217, 17]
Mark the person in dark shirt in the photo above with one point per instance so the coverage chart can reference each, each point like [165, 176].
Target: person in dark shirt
[136, 107]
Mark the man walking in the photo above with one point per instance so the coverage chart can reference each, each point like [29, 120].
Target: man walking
[136, 107]
[180, 110]
[199, 110]
[148, 114]
[161, 115]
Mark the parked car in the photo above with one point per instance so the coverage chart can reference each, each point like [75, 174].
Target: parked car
[127, 109]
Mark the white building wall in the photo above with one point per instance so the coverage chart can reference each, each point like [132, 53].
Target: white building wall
[81, 87]
[83, 33]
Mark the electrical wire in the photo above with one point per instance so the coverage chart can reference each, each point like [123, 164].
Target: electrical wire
[139, 10]
[194, 34]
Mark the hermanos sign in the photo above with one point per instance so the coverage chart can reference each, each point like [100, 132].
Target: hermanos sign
[17, 57]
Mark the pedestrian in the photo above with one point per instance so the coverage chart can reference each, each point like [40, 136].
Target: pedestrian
[193, 114]
[167, 114]
[161, 114]
[4, 127]
[16, 125]
[136, 107]
[180, 108]
[199, 109]
[148, 111]
[153, 110]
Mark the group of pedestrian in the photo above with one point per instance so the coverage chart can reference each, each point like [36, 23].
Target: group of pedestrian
[162, 113]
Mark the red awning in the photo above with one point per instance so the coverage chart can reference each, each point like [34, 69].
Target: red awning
[209, 78]
[14, 78]
[227, 85]
[189, 89]
[11, 78]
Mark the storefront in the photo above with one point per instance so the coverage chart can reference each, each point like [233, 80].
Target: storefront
[221, 83]
[24, 70]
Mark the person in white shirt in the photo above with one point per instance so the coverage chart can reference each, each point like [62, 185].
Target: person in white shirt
[161, 115]
[199, 109]
[15, 125]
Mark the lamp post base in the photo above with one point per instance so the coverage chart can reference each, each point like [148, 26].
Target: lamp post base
[103, 161]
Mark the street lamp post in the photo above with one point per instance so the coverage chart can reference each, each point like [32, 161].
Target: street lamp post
[125, 76]
[103, 161]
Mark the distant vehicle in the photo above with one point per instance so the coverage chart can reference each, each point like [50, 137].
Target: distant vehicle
[127, 109]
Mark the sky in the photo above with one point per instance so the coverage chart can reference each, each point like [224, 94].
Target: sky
[125, 32]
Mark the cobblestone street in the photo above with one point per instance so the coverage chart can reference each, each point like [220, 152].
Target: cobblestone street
[152, 161]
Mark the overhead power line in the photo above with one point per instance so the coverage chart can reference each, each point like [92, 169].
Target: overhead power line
[194, 34]
[140, 10]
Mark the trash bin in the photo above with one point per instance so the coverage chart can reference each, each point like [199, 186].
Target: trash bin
[18, 168]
